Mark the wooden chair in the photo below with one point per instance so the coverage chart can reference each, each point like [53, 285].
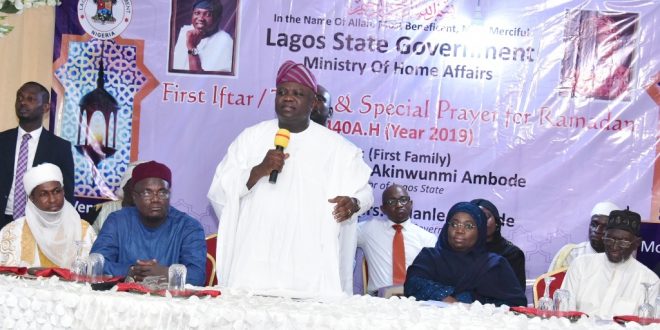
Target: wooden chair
[211, 243]
[539, 284]
[392, 290]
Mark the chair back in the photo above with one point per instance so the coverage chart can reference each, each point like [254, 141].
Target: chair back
[539, 284]
[211, 243]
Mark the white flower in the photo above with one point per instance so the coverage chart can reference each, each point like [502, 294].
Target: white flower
[20, 5]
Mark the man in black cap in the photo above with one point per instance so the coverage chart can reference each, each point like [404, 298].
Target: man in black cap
[203, 45]
[610, 283]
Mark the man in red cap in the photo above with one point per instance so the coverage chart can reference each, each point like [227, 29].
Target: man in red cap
[146, 239]
[290, 237]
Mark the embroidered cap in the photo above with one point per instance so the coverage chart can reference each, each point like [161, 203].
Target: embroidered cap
[295, 72]
[625, 220]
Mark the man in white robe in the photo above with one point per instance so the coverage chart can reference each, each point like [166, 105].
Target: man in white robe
[51, 233]
[296, 236]
[609, 284]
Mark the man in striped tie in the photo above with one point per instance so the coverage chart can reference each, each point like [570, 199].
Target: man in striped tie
[29, 145]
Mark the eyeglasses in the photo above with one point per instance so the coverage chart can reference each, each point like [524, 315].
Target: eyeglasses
[401, 201]
[467, 226]
[148, 194]
[617, 242]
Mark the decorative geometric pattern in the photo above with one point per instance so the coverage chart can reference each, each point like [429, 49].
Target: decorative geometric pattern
[125, 78]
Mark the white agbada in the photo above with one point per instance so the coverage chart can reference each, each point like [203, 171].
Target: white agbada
[215, 51]
[282, 238]
[563, 258]
[50, 233]
[605, 289]
[18, 249]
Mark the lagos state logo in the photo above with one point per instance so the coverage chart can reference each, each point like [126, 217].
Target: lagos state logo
[104, 19]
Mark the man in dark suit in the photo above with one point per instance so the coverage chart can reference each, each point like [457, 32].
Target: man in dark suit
[32, 103]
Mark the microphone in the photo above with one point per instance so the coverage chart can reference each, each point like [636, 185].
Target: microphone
[281, 141]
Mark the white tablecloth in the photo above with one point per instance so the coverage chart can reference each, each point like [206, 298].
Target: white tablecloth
[50, 303]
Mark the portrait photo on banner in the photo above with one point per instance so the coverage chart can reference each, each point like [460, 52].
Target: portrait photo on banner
[203, 37]
[598, 60]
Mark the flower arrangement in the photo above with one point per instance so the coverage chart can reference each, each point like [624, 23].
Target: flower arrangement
[17, 7]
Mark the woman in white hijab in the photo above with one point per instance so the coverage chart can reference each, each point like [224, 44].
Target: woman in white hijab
[46, 236]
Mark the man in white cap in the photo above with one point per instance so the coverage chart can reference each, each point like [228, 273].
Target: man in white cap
[568, 253]
[46, 236]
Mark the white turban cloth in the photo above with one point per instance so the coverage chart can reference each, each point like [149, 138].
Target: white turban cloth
[39, 174]
[54, 232]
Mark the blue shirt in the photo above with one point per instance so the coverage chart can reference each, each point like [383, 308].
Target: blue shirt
[179, 240]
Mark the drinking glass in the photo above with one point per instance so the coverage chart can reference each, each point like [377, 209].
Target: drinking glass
[176, 280]
[562, 299]
[95, 263]
[546, 303]
[646, 310]
[79, 263]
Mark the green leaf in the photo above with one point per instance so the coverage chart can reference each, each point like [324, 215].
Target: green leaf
[8, 8]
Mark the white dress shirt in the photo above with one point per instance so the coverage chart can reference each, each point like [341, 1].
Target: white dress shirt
[32, 150]
[375, 237]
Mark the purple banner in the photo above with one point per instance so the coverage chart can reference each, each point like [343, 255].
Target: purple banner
[543, 109]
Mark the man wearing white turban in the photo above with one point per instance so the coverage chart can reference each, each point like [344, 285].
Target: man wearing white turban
[46, 236]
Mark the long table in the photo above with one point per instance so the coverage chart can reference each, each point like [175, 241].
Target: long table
[51, 303]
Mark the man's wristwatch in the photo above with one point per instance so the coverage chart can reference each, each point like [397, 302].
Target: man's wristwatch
[193, 52]
[356, 202]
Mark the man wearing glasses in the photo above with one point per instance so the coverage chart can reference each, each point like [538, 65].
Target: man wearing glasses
[610, 283]
[390, 245]
[146, 239]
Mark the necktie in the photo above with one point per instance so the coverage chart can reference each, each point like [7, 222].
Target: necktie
[20, 197]
[398, 257]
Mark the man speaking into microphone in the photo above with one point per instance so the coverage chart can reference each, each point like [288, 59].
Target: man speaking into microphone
[289, 237]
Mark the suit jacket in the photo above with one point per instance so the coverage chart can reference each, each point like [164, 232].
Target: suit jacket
[50, 149]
